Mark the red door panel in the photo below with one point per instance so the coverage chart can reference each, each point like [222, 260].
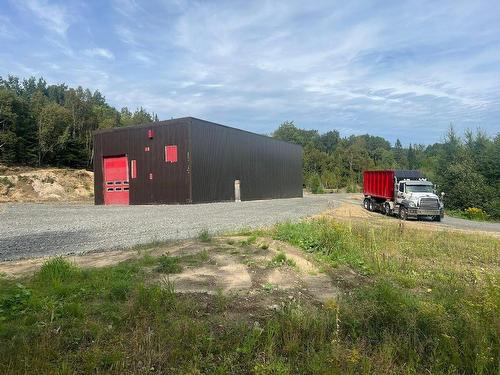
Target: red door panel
[116, 183]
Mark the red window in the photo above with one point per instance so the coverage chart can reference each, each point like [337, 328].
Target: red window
[147, 149]
[151, 133]
[133, 169]
[171, 154]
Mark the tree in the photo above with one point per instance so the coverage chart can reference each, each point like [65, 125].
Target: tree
[329, 141]
[399, 155]
[411, 158]
[287, 131]
[54, 130]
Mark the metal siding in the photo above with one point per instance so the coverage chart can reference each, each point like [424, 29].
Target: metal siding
[171, 181]
[267, 168]
[379, 184]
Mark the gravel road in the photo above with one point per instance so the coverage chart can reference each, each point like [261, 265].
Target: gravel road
[34, 230]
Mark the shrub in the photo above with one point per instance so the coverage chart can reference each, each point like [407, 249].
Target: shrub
[316, 185]
[6, 182]
[168, 264]
[475, 213]
[205, 236]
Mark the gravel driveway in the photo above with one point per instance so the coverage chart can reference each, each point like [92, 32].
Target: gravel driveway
[33, 230]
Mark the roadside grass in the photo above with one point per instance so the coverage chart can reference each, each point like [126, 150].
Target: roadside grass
[426, 302]
[475, 214]
[168, 264]
[431, 302]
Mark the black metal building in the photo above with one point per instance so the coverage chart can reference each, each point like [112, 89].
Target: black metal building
[188, 160]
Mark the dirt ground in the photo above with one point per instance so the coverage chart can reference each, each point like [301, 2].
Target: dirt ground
[228, 265]
[23, 184]
[351, 209]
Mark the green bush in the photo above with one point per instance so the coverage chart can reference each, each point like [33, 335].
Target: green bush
[169, 264]
[475, 213]
[205, 236]
[316, 185]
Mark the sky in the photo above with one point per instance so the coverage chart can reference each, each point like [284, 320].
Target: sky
[397, 69]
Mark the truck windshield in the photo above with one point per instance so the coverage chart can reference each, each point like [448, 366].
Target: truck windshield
[419, 188]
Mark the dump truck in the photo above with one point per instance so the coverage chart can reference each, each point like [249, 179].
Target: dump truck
[403, 193]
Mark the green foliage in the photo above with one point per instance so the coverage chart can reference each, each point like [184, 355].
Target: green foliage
[428, 306]
[418, 308]
[169, 264]
[204, 236]
[280, 260]
[53, 124]
[468, 171]
[56, 271]
[315, 184]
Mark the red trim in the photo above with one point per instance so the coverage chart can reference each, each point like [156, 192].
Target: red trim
[133, 169]
[171, 154]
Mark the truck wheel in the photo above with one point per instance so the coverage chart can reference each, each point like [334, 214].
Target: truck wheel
[387, 209]
[371, 207]
[365, 203]
[403, 213]
[437, 218]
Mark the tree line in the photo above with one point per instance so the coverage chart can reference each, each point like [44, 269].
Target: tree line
[43, 124]
[466, 168]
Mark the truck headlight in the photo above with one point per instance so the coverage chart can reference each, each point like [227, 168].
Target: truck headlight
[412, 204]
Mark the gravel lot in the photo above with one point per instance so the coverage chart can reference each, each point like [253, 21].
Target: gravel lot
[33, 230]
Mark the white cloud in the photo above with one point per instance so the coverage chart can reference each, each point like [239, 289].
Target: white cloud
[356, 66]
[126, 35]
[52, 16]
[100, 52]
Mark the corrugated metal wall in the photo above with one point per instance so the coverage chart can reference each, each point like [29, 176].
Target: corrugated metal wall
[266, 167]
[171, 181]
[210, 158]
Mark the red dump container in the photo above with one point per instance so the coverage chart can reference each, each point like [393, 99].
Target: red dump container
[379, 184]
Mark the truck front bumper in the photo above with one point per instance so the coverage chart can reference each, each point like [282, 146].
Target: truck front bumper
[416, 212]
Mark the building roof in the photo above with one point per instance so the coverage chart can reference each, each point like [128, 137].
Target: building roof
[186, 120]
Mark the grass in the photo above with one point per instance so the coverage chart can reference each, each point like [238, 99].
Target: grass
[428, 302]
[471, 214]
[249, 241]
[205, 236]
[169, 264]
[417, 302]
[280, 260]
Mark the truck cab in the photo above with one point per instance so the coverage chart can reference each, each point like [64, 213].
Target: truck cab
[417, 198]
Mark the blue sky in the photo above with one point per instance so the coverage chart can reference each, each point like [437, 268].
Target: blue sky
[399, 69]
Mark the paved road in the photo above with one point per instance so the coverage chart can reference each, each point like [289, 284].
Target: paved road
[33, 230]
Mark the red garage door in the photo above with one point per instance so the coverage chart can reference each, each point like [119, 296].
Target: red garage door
[116, 186]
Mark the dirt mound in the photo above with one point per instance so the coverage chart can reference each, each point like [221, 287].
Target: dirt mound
[22, 184]
[209, 268]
